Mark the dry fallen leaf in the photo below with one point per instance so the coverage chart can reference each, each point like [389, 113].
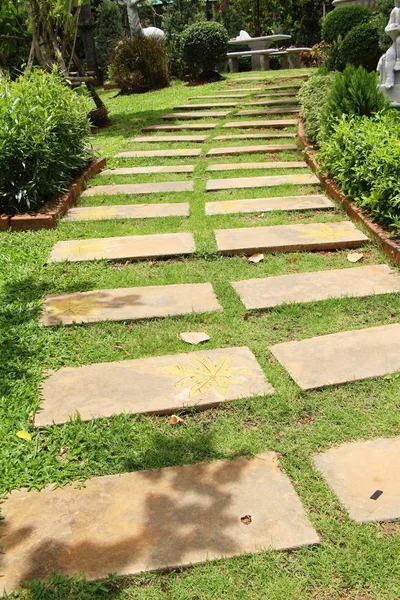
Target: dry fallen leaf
[246, 520]
[354, 257]
[119, 347]
[255, 258]
[246, 316]
[174, 420]
[24, 435]
[194, 337]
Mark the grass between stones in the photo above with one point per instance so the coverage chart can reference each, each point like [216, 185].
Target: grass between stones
[353, 562]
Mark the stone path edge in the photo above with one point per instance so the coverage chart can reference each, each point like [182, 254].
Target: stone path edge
[389, 246]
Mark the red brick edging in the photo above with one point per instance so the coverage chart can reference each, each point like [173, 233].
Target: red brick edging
[51, 211]
[390, 247]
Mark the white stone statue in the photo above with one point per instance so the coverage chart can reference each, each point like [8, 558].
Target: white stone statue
[135, 26]
[389, 63]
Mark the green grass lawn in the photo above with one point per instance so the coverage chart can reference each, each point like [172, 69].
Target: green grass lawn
[353, 561]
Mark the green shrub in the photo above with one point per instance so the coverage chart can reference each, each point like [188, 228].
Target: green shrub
[44, 139]
[204, 45]
[108, 32]
[139, 64]
[353, 92]
[313, 96]
[363, 155]
[360, 47]
[338, 22]
[177, 16]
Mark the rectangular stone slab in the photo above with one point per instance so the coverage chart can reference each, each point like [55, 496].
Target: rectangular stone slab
[274, 124]
[139, 188]
[310, 287]
[267, 111]
[356, 470]
[206, 106]
[194, 126]
[283, 100]
[341, 357]
[256, 182]
[268, 204]
[127, 211]
[149, 170]
[255, 136]
[267, 148]
[129, 304]
[235, 89]
[219, 96]
[291, 94]
[149, 520]
[158, 385]
[169, 138]
[283, 87]
[290, 238]
[161, 153]
[195, 115]
[138, 247]
[282, 164]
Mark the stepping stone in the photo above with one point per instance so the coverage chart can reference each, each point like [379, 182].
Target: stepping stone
[196, 115]
[267, 111]
[341, 357]
[289, 164]
[129, 304]
[219, 96]
[255, 136]
[149, 170]
[268, 204]
[139, 188]
[285, 101]
[278, 124]
[289, 238]
[162, 153]
[365, 477]
[159, 385]
[310, 287]
[282, 88]
[170, 138]
[159, 245]
[291, 94]
[268, 148]
[237, 183]
[235, 89]
[152, 520]
[194, 126]
[206, 106]
[126, 211]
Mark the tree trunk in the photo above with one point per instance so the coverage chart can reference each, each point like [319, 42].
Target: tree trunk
[86, 29]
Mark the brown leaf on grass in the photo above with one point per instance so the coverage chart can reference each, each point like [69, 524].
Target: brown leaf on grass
[174, 420]
[291, 258]
[194, 337]
[354, 257]
[118, 347]
[255, 258]
[246, 316]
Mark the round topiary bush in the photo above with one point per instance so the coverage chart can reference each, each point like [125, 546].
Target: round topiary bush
[203, 46]
[341, 20]
[361, 48]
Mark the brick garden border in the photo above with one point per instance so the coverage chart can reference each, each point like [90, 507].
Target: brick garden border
[390, 247]
[47, 217]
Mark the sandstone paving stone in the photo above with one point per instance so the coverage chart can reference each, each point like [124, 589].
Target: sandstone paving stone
[176, 127]
[159, 153]
[290, 238]
[267, 148]
[312, 202]
[157, 385]
[139, 188]
[149, 520]
[277, 164]
[219, 96]
[149, 170]
[273, 94]
[358, 471]
[235, 89]
[341, 357]
[256, 182]
[268, 111]
[310, 287]
[254, 136]
[127, 211]
[169, 138]
[138, 247]
[283, 87]
[195, 115]
[206, 106]
[129, 304]
[273, 124]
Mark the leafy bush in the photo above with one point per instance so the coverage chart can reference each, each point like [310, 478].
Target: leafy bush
[353, 92]
[338, 22]
[363, 155]
[316, 56]
[360, 47]
[139, 64]
[108, 32]
[44, 139]
[204, 45]
[313, 96]
[177, 16]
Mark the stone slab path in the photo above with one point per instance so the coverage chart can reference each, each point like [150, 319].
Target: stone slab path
[254, 136]
[273, 124]
[219, 96]
[148, 520]
[282, 101]
[341, 357]
[139, 188]
[310, 287]
[193, 126]
[264, 148]
[148, 170]
[213, 185]
[291, 94]
[160, 245]
[129, 304]
[252, 205]
[268, 111]
[128, 211]
[245, 89]
[283, 87]
[202, 106]
[195, 115]
[169, 138]
[157, 385]
[281, 164]
[159, 153]
[357, 470]
[289, 238]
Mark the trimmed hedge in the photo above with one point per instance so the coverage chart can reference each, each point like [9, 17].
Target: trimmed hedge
[312, 96]
[361, 48]
[204, 45]
[340, 21]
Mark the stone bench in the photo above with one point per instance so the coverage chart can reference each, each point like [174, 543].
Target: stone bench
[233, 58]
[291, 58]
